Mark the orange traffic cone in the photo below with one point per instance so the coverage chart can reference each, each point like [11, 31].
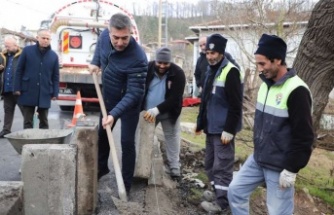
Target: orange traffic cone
[78, 110]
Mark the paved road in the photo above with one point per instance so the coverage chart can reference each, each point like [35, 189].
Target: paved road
[10, 160]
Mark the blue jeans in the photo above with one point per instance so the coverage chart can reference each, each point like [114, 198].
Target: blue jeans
[279, 201]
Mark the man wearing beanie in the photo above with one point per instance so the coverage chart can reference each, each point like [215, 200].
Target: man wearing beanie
[220, 117]
[283, 134]
[165, 84]
[202, 64]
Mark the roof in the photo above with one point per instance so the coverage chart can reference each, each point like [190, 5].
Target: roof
[200, 28]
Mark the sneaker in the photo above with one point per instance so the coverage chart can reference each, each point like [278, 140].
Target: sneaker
[211, 207]
[208, 196]
[102, 173]
[3, 133]
[175, 173]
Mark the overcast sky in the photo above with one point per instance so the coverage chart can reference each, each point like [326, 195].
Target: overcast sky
[29, 13]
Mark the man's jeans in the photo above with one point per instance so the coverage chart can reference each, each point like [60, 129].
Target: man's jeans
[279, 201]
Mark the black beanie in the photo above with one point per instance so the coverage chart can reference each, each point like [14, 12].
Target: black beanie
[163, 55]
[271, 46]
[216, 42]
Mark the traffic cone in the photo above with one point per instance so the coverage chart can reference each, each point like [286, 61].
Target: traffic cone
[78, 110]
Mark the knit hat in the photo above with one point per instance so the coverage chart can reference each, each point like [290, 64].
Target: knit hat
[271, 46]
[216, 42]
[163, 55]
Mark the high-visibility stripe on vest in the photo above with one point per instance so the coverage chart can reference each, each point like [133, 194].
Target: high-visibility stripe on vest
[273, 101]
[221, 79]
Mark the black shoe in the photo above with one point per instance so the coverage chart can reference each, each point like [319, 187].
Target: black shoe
[102, 173]
[3, 133]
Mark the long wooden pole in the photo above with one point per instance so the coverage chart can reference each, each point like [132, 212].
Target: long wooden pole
[118, 173]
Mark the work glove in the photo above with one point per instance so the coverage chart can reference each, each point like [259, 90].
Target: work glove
[151, 114]
[226, 137]
[287, 179]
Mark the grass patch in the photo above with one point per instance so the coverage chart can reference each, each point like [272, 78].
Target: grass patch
[317, 176]
[198, 140]
[189, 114]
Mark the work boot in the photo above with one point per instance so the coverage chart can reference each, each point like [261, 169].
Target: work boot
[175, 173]
[208, 196]
[211, 207]
[3, 133]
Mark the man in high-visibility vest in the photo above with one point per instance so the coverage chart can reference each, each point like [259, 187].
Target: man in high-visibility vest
[220, 117]
[283, 133]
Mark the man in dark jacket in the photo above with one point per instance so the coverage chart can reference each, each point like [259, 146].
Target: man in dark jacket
[10, 58]
[163, 103]
[202, 64]
[37, 80]
[283, 133]
[124, 67]
[220, 117]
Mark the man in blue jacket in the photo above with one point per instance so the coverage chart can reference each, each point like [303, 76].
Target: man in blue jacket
[10, 58]
[124, 67]
[37, 80]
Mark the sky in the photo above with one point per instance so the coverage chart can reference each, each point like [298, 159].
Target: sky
[17, 13]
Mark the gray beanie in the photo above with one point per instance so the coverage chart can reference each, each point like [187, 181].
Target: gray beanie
[163, 55]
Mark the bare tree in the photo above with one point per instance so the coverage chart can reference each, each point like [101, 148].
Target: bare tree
[315, 58]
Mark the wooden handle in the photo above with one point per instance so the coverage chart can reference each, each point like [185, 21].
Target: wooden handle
[118, 173]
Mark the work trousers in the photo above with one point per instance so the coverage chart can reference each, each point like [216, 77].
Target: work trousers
[129, 122]
[9, 104]
[28, 117]
[219, 161]
[250, 176]
[172, 139]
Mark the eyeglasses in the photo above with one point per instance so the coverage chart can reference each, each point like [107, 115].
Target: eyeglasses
[163, 63]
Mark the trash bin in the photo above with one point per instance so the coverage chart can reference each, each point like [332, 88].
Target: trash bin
[39, 136]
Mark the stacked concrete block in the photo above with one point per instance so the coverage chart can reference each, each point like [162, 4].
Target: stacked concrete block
[145, 148]
[49, 177]
[86, 140]
[11, 198]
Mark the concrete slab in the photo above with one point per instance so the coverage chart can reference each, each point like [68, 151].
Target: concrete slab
[145, 148]
[86, 140]
[11, 198]
[49, 176]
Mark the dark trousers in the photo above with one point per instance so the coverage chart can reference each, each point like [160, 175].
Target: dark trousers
[9, 104]
[129, 122]
[219, 161]
[28, 116]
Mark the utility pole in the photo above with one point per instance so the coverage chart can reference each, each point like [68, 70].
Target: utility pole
[163, 26]
[159, 26]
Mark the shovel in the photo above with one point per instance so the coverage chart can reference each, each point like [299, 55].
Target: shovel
[119, 178]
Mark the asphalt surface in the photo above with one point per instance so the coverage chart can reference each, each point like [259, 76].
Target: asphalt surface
[10, 160]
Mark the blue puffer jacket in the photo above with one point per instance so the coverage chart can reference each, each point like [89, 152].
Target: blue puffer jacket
[123, 75]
